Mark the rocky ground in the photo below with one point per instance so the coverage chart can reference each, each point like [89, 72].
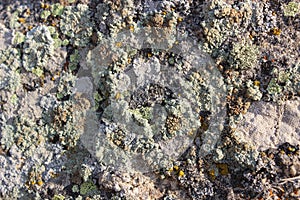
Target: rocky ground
[149, 99]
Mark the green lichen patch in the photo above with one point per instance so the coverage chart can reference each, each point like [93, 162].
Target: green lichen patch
[38, 48]
[18, 38]
[57, 9]
[77, 24]
[87, 188]
[243, 56]
[291, 9]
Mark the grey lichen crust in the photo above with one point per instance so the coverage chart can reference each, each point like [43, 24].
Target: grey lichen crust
[76, 23]
[150, 110]
[38, 47]
[170, 99]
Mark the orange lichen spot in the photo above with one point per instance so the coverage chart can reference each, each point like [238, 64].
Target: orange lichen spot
[212, 174]
[40, 182]
[118, 95]
[172, 9]
[27, 11]
[181, 173]
[150, 55]
[256, 83]
[223, 168]
[176, 167]
[263, 154]
[53, 78]
[164, 13]
[118, 44]
[180, 19]
[53, 23]
[251, 37]
[45, 6]
[271, 192]
[276, 31]
[21, 20]
[131, 28]
[30, 27]
[170, 170]
[265, 58]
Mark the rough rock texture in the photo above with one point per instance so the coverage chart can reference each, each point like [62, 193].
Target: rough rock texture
[268, 125]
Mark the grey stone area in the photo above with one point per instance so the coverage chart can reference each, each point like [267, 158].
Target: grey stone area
[268, 125]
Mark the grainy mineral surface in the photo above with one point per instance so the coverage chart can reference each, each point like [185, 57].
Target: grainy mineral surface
[146, 99]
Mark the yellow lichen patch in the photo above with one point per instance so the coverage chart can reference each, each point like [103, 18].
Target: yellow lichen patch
[149, 55]
[118, 96]
[21, 20]
[276, 31]
[180, 173]
[40, 182]
[212, 174]
[176, 168]
[256, 83]
[118, 44]
[45, 6]
[223, 168]
[291, 149]
[131, 28]
[180, 19]
[28, 12]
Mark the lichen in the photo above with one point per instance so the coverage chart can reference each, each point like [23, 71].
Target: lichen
[76, 23]
[224, 20]
[65, 85]
[87, 188]
[38, 48]
[291, 9]
[173, 95]
[274, 88]
[57, 9]
[243, 55]
[18, 38]
[10, 79]
[45, 14]
[253, 91]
